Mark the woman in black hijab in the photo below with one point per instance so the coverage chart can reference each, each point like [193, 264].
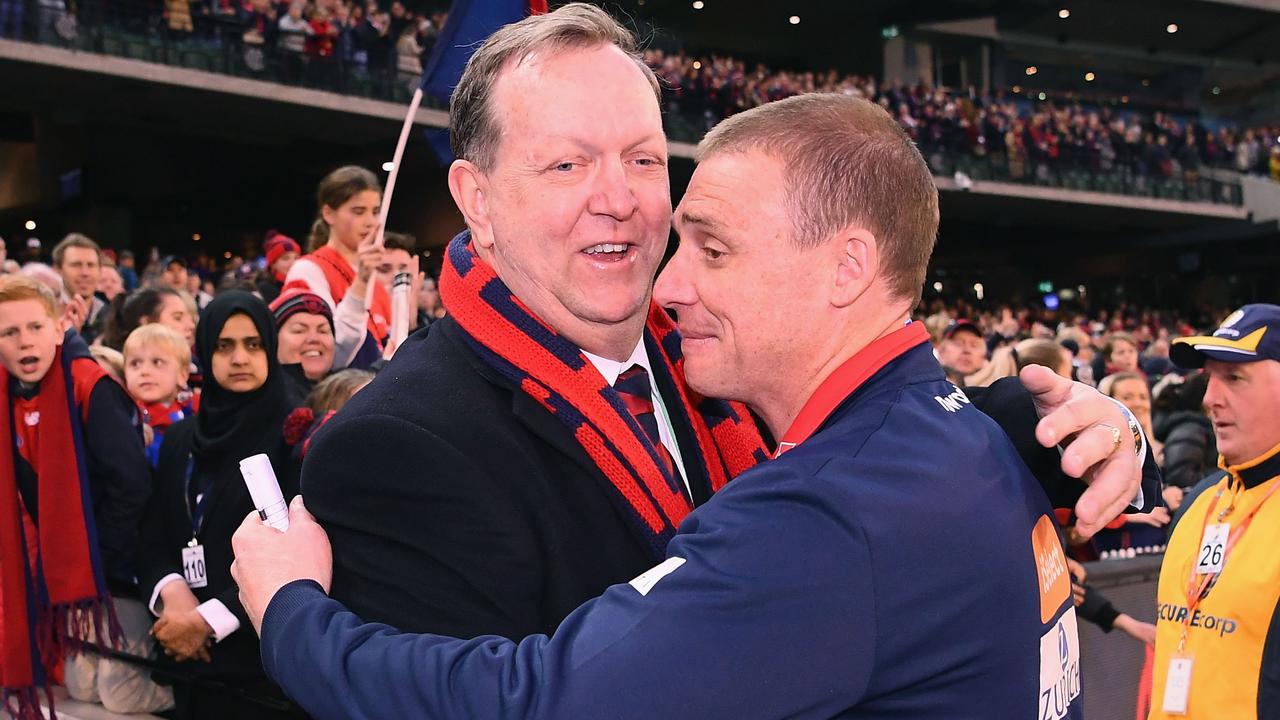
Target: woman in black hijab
[198, 502]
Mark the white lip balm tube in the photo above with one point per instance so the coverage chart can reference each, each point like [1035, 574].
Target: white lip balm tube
[265, 491]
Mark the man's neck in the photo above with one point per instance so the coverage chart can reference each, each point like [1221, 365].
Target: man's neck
[780, 410]
[615, 342]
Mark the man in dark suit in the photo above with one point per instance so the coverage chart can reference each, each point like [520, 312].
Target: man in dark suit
[488, 481]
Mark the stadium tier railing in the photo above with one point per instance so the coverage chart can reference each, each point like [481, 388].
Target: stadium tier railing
[232, 42]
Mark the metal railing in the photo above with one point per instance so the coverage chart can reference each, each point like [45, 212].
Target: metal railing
[229, 39]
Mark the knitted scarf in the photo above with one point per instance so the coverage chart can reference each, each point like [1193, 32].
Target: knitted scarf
[552, 370]
[340, 276]
[52, 588]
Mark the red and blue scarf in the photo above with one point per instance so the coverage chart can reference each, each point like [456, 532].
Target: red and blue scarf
[53, 594]
[552, 370]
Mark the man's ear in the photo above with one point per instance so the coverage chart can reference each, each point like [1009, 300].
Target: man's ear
[468, 186]
[857, 264]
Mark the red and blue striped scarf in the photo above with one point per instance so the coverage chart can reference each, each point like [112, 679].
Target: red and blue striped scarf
[53, 594]
[552, 370]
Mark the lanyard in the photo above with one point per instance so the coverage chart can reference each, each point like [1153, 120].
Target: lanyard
[196, 514]
[1197, 585]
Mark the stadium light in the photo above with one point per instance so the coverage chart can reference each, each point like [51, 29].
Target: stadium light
[978, 290]
[1124, 99]
[1032, 70]
[1171, 28]
[1146, 82]
[1064, 13]
[698, 4]
[31, 225]
[1042, 96]
[794, 19]
[388, 166]
[1017, 89]
[1089, 77]
[195, 237]
[1217, 90]
[697, 64]
[937, 287]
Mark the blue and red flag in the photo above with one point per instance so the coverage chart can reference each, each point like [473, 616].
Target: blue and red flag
[470, 23]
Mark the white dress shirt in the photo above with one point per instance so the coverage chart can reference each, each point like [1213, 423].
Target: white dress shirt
[611, 369]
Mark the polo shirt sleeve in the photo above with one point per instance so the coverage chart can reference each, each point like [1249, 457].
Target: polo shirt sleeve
[742, 619]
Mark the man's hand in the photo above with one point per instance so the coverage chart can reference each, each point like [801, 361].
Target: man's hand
[1078, 574]
[1081, 420]
[267, 559]
[1158, 517]
[184, 634]
[74, 312]
[1138, 630]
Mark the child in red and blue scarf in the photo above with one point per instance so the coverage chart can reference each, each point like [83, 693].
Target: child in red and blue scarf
[73, 484]
[156, 362]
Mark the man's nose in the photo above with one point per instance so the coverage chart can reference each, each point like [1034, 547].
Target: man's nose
[674, 286]
[613, 195]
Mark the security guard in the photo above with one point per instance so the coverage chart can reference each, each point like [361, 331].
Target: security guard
[1218, 627]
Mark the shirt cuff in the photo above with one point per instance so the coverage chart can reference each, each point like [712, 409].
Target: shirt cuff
[222, 620]
[1140, 447]
[155, 592]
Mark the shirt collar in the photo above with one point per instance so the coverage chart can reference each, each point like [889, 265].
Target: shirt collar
[847, 378]
[1256, 471]
[611, 369]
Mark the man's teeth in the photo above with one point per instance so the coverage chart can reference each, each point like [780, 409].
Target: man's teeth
[606, 248]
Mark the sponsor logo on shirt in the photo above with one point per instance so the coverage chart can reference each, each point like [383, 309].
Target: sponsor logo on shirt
[1059, 667]
[953, 401]
[1199, 619]
[32, 418]
[1051, 567]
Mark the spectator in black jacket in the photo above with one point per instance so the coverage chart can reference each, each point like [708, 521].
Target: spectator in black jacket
[1190, 451]
[200, 499]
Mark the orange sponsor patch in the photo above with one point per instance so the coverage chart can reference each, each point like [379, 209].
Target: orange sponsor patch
[1051, 568]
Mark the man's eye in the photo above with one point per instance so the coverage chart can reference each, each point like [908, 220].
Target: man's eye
[712, 254]
[563, 167]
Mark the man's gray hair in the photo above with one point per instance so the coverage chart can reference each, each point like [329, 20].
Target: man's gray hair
[473, 126]
[845, 160]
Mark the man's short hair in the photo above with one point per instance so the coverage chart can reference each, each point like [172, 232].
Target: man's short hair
[74, 240]
[399, 241]
[21, 287]
[473, 124]
[845, 161]
[157, 335]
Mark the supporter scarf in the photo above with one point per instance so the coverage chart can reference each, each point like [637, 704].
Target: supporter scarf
[340, 276]
[552, 370]
[51, 599]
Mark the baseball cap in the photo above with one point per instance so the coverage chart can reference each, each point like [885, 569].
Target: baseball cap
[958, 325]
[1249, 334]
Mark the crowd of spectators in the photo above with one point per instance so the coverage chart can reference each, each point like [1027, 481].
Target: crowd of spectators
[1124, 351]
[1024, 136]
[314, 40]
[187, 365]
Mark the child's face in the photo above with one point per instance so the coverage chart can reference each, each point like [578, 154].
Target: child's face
[152, 374]
[29, 338]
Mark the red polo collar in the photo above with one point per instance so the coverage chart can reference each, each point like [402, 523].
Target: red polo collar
[847, 378]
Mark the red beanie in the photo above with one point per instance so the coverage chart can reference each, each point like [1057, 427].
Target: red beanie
[279, 244]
